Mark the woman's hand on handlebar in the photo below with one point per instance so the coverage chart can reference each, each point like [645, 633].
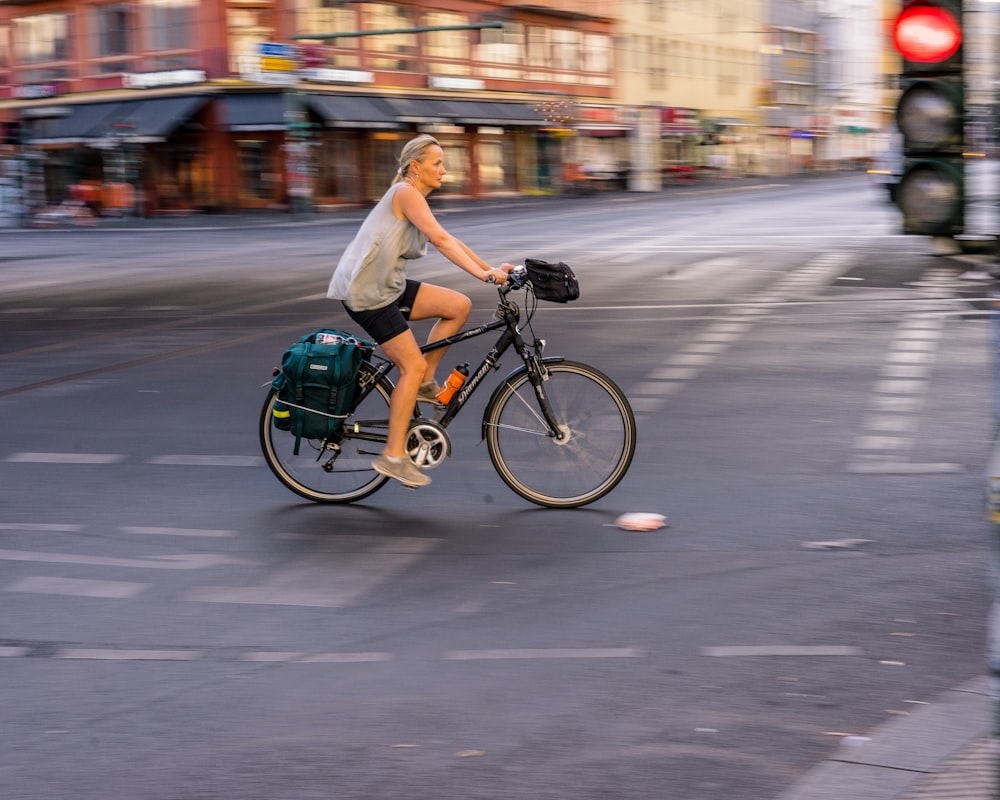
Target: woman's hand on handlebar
[499, 274]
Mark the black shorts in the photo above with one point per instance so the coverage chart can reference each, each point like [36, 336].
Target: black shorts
[383, 324]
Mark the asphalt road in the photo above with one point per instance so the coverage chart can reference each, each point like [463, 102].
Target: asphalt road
[814, 397]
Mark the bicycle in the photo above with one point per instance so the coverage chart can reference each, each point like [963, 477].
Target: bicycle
[559, 433]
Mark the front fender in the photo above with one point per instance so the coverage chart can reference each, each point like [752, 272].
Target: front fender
[496, 392]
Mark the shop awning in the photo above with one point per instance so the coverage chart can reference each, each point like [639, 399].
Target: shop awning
[83, 123]
[506, 114]
[418, 109]
[464, 112]
[254, 112]
[352, 111]
[138, 121]
[154, 120]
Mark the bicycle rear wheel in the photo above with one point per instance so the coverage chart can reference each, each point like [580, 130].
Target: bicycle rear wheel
[337, 471]
[594, 453]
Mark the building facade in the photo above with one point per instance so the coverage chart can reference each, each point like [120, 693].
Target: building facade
[692, 68]
[224, 104]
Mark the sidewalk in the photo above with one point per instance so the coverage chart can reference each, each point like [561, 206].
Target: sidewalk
[944, 751]
[442, 206]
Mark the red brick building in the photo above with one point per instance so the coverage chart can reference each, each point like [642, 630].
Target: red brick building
[225, 104]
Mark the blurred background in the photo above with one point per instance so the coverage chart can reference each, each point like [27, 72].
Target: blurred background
[182, 106]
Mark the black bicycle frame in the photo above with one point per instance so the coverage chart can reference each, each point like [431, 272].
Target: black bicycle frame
[511, 336]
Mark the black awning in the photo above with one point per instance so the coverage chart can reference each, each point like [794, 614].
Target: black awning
[154, 120]
[254, 112]
[353, 111]
[84, 123]
[520, 114]
[421, 109]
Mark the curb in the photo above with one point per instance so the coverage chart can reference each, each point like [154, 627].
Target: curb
[952, 733]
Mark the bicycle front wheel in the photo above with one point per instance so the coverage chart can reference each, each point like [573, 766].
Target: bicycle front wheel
[594, 452]
[334, 471]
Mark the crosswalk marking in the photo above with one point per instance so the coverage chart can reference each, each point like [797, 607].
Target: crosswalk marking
[341, 571]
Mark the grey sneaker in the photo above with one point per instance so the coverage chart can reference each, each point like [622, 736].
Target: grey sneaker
[428, 392]
[403, 471]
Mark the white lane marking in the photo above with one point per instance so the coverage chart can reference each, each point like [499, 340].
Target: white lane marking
[882, 443]
[560, 652]
[114, 654]
[912, 356]
[204, 532]
[887, 467]
[895, 386]
[75, 587]
[65, 458]
[781, 650]
[9, 651]
[906, 371]
[334, 577]
[891, 423]
[689, 359]
[208, 461]
[179, 561]
[265, 657]
[672, 373]
[897, 403]
[343, 658]
[39, 526]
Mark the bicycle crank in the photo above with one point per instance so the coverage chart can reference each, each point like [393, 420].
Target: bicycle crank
[427, 444]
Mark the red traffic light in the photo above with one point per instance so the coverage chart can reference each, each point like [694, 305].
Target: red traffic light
[927, 34]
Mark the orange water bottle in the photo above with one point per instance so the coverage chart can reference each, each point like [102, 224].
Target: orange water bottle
[453, 384]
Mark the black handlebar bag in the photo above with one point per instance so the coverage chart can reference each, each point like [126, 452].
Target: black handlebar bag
[553, 282]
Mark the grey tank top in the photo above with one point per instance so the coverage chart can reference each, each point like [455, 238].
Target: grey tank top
[372, 273]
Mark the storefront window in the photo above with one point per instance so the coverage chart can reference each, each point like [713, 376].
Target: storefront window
[42, 37]
[449, 49]
[170, 24]
[258, 169]
[331, 16]
[456, 161]
[497, 167]
[397, 51]
[339, 169]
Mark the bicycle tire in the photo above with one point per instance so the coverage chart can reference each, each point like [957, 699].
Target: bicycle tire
[588, 463]
[350, 476]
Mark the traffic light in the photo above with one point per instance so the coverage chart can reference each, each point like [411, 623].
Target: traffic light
[930, 116]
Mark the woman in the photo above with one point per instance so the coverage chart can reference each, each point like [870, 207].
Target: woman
[371, 281]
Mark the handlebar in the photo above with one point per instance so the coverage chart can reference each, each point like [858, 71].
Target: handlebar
[516, 279]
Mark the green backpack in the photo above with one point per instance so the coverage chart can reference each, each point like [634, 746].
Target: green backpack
[315, 386]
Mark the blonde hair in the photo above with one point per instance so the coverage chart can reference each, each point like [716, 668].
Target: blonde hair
[413, 150]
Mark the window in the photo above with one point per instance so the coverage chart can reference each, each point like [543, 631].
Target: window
[112, 27]
[597, 53]
[396, 51]
[247, 28]
[501, 46]
[4, 47]
[565, 49]
[258, 169]
[170, 24]
[447, 47]
[40, 38]
[331, 16]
